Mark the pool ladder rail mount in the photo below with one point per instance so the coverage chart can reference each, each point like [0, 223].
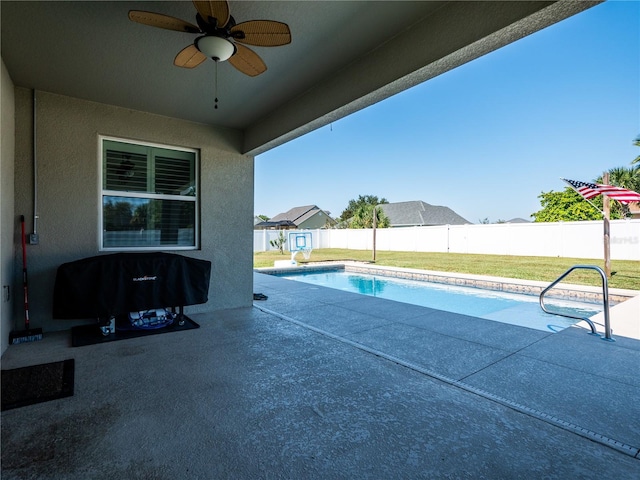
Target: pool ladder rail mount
[605, 301]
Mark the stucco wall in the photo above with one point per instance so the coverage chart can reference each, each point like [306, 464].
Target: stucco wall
[68, 193]
[7, 150]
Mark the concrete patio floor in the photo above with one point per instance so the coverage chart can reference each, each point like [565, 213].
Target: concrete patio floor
[319, 383]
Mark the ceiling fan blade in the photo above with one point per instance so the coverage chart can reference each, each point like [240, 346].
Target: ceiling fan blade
[189, 57]
[262, 33]
[162, 21]
[247, 61]
[213, 9]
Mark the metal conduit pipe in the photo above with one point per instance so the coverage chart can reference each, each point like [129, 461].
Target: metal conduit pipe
[33, 238]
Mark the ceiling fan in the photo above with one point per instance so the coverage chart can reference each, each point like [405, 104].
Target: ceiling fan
[221, 38]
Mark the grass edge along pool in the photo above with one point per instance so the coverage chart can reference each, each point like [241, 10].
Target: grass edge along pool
[490, 304]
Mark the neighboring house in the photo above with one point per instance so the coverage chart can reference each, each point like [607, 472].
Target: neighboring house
[307, 217]
[419, 213]
[277, 225]
[260, 224]
[518, 220]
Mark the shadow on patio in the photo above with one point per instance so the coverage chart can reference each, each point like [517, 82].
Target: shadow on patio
[317, 383]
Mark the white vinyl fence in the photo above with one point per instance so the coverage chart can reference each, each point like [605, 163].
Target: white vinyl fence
[558, 239]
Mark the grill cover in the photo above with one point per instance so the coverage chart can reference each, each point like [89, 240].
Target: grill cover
[110, 285]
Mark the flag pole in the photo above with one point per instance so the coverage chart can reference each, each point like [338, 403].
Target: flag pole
[375, 221]
[601, 212]
[589, 190]
[606, 204]
[588, 201]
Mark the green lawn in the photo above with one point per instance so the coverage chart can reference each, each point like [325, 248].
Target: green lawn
[626, 273]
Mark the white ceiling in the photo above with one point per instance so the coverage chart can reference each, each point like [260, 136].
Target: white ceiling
[344, 56]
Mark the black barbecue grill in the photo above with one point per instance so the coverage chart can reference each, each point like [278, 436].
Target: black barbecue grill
[106, 286]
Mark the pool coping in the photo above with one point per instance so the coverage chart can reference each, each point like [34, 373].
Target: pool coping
[512, 285]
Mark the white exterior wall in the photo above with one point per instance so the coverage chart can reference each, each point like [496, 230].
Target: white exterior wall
[558, 239]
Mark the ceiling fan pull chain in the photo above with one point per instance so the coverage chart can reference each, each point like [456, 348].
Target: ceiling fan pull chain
[215, 87]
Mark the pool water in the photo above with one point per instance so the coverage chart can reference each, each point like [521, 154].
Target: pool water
[516, 309]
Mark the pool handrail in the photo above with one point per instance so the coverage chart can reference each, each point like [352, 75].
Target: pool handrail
[605, 300]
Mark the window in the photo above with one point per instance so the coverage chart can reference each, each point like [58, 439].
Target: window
[149, 197]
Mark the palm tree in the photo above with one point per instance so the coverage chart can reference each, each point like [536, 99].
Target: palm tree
[361, 201]
[625, 177]
[363, 217]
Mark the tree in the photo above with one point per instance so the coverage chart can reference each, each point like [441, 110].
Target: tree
[624, 177]
[569, 205]
[361, 201]
[279, 242]
[139, 217]
[264, 218]
[117, 216]
[363, 218]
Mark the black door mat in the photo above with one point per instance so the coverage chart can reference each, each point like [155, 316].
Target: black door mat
[36, 384]
[91, 334]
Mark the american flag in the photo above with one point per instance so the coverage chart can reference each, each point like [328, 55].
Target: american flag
[590, 190]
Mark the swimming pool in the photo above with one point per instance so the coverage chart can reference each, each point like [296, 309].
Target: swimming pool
[513, 308]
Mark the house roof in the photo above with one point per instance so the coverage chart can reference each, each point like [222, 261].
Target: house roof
[277, 224]
[298, 215]
[417, 212]
[294, 214]
[344, 56]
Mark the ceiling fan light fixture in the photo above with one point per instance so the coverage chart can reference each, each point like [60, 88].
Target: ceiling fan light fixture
[221, 38]
[217, 48]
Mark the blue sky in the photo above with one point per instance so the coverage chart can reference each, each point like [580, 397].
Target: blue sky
[484, 139]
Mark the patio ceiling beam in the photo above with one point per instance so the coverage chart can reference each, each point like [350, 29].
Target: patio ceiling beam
[455, 34]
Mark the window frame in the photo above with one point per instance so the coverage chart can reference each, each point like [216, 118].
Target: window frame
[104, 192]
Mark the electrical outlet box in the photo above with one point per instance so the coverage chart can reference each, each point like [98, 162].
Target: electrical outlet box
[34, 239]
